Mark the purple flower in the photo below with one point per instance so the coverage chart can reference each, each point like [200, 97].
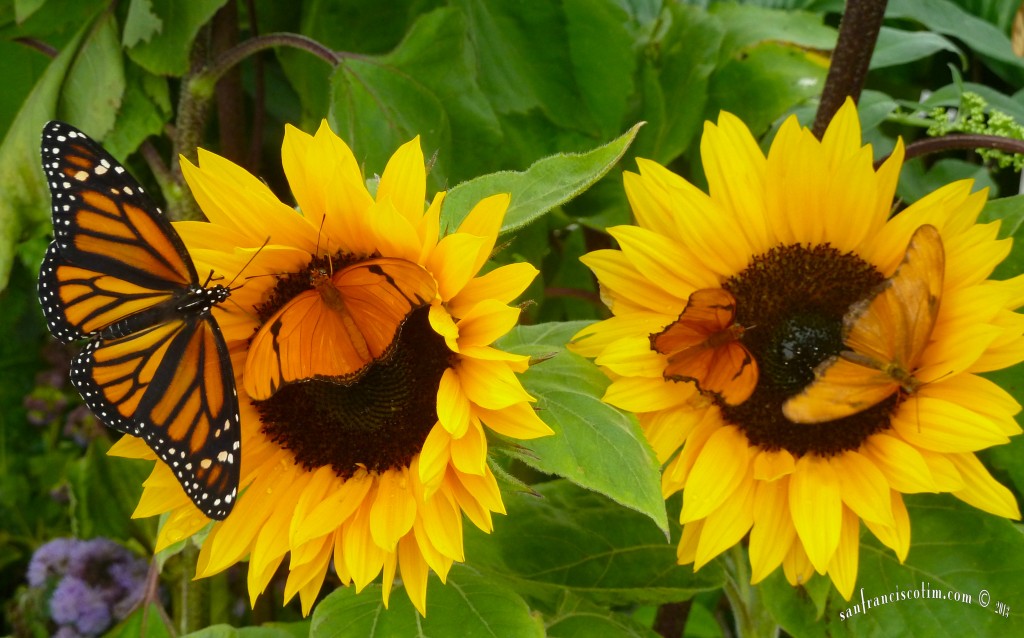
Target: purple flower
[50, 560]
[100, 582]
[74, 602]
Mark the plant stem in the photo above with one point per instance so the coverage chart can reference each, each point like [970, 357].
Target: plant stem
[858, 32]
[225, 61]
[752, 618]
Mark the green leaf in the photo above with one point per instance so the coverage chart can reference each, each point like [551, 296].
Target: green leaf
[403, 106]
[897, 47]
[167, 51]
[1010, 210]
[25, 8]
[466, 605]
[268, 630]
[95, 84]
[946, 18]
[748, 26]
[578, 541]
[141, 24]
[603, 60]
[674, 81]
[550, 182]
[517, 74]
[106, 491]
[578, 618]
[24, 201]
[764, 83]
[145, 111]
[142, 622]
[955, 550]
[595, 446]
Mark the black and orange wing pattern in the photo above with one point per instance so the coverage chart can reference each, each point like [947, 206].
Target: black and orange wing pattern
[703, 345]
[156, 365]
[885, 335]
[337, 328]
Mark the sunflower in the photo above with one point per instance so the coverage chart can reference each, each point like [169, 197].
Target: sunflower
[728, 306]
[371, 471]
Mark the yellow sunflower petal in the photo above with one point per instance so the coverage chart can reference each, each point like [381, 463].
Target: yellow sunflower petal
[815, 499]
[864, 488]
[518, 420]
[453, 406]
[729, 523]
[773, 531]
[485, 322]
[393, 510]
[502, 284]
[452, 261]
[404, 182]
[843, 567]
[716, 475]
[490, 385]
[981, 490]
[484, 221]
[944, 426]
[414, 572]
[897, 536]
[469, 452]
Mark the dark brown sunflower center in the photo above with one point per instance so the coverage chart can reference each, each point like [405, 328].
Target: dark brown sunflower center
[377, 418]
[792, 300]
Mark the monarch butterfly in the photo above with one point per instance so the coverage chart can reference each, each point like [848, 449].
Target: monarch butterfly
[156, 365]
[336, 328]
[704, 346]
[886, 335]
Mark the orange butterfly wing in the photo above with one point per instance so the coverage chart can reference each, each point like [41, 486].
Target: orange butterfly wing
[338, 328]
[886, 334]
[703, 346]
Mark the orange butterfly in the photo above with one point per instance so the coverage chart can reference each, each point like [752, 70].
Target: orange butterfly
[704, 347]
[334, 330]
[886, 335]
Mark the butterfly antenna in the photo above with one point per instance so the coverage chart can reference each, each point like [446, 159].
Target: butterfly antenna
[247, 264]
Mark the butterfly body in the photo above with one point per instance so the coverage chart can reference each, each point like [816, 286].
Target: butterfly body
[885, 336]
[156, 364]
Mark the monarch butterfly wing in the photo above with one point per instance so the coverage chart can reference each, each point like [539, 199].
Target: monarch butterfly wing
[380, 293]
[728, 370]
[302, 340]
[841, 388]
[79, 301]
[104, 222]
[707, 312]
[172, 385]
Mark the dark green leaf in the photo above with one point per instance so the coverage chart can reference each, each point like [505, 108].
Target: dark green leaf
[141, 24]
[142, 622]
[765, 83]
[550, 182]
[945, 17]
[956, 550]
[595, 446]
[269, 630]
[519, 73]
[674, 81]
[899, 47]
[167, 51]
[578, 618]
[106, 491]
[95, 84]
[24, 201]
[467, 605]
[748, 26]
[144, 113]
[578, 541]
[603, 60]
